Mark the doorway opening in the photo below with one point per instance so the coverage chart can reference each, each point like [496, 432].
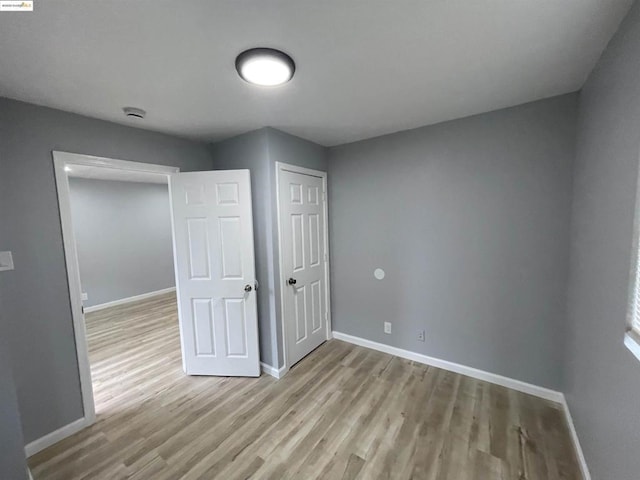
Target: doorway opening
[122, 230]
[215, 290]
[123, 299]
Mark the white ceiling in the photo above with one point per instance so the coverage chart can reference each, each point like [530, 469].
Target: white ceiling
[364, 68]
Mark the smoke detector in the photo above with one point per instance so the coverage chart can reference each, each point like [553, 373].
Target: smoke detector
[134, 112]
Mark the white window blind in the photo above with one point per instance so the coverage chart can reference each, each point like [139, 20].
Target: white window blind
[632, 337]
[634, 305]
[634, 317]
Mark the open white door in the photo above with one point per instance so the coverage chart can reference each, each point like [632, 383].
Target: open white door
[215, 272]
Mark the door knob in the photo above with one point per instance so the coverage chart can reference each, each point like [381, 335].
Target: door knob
[248, 288]
[292, 281]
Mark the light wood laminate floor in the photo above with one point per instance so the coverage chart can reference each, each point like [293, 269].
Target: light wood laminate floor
[344, 412]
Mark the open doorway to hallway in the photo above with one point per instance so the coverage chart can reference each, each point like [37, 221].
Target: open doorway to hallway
[202, 227]
[122, 231]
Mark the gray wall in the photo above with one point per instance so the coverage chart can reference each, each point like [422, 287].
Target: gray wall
[123, 235]
[36, 296]
[470, 221]
[258, 151]
[12, 462]
[602, 377]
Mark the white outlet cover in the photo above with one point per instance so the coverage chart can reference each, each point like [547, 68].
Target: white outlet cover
[378, 273]
[6, 261]
[85, 296]
[387, 327]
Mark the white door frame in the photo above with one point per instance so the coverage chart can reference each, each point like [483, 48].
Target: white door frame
[60, 161]
[280, 166]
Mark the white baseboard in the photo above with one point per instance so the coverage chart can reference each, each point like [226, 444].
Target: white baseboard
[273, 371]
[586, 475]
[122, 301]
[518, 385]
[55, 436]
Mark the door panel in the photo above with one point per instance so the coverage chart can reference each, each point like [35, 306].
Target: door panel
[303, 222]
[230, 247]
[214, 260]
[203, 327]
[314, 240]
[198, 245]
[316, 307]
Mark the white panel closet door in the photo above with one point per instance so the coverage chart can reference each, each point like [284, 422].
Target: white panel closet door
[303, 260]
[215, 272]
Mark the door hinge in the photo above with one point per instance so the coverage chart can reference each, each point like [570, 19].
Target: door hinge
[82, 308]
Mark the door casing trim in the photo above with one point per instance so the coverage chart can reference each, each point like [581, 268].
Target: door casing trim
[60, 161]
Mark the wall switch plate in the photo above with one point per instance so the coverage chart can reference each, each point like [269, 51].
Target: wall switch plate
[6, 261]
[421, 336]
[85, 296]
[387, 327]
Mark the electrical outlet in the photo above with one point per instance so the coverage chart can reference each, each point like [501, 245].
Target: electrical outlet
[421, 336]
[387, 327]
[85, 296]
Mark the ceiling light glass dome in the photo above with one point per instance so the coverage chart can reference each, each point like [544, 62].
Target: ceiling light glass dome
[265, 66]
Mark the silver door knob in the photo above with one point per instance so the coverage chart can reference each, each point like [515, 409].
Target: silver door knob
[248, 288]
[292, 281]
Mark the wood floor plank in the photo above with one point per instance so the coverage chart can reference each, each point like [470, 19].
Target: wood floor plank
[344, 412]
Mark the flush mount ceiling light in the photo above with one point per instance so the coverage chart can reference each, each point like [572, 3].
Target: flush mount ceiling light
[265, 66]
